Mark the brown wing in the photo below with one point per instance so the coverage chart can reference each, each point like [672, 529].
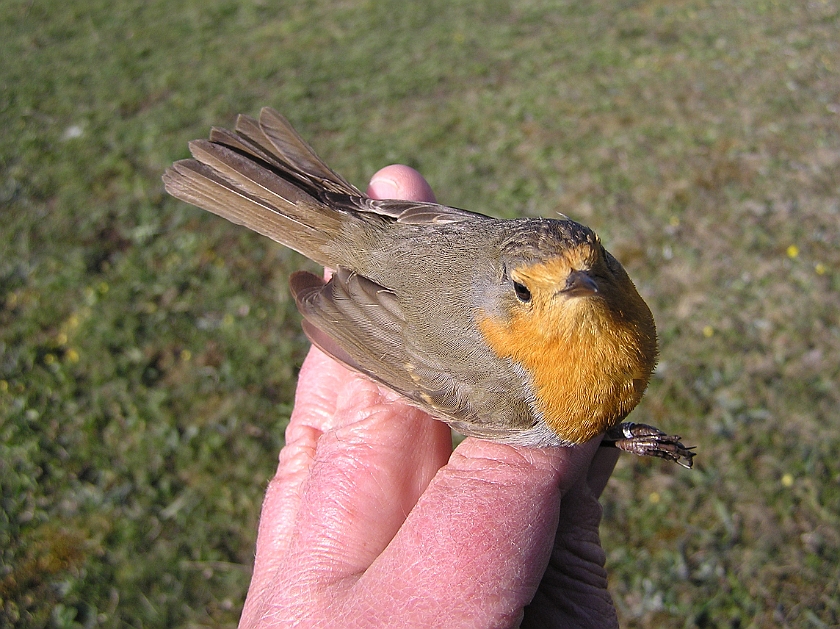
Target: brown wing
[361, 324]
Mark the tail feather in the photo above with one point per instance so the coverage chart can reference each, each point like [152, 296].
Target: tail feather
[265, 177]
[239, 143]
[199, 185]
[275, 135]
[296, 150]
[253, 178]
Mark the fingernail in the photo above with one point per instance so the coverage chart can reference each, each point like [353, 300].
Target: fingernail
[383, 188]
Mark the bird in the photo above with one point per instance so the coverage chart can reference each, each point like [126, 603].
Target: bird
[525, 331]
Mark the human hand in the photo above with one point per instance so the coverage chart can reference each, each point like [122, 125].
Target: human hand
[372, 520]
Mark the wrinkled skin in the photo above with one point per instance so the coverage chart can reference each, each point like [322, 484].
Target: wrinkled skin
[373, 521]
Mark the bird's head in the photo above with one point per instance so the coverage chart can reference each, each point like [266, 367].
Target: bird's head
[570, 316]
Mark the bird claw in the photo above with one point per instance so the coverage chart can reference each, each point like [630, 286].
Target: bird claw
[646, 440]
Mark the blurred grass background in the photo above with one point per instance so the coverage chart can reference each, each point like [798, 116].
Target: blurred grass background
[148, 351]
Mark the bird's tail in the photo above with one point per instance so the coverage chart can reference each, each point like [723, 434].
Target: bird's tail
[264, 176]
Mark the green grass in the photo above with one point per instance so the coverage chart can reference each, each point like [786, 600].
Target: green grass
[148, 351]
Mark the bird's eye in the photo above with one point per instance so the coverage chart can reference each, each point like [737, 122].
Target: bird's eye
[522, 292]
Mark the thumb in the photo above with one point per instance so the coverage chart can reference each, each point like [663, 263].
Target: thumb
[400, 182]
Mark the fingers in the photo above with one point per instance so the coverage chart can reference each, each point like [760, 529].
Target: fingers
[573, 592]
[339, 495]
[319, 382]
[473, 550]
[601, 469]
[365, 478]
[400, 182]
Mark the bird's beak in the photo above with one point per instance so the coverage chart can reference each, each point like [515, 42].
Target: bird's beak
[580, 284]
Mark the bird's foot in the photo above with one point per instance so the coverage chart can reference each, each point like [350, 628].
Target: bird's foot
[646, 440]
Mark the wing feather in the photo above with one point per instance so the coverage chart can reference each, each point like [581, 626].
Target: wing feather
[361, 324]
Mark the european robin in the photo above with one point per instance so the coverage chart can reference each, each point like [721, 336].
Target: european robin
[526, 331]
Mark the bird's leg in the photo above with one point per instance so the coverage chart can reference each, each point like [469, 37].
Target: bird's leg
[646, 440]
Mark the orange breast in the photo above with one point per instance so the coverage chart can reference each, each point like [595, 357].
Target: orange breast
[586, 370]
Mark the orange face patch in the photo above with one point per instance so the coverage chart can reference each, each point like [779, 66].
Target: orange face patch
[588, 365]
[551, 275]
